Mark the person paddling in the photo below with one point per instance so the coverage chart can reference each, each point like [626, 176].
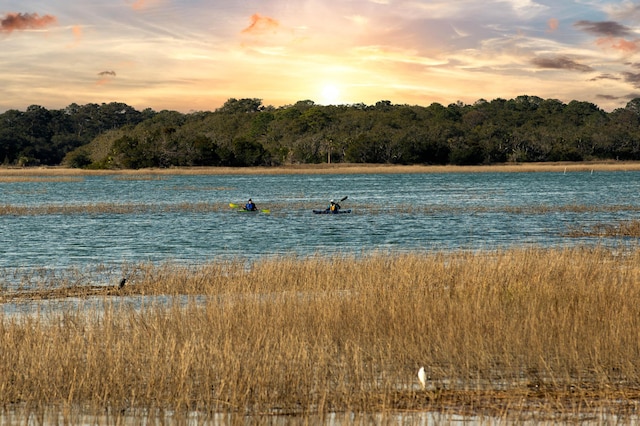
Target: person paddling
[333, 207]
[250, 206]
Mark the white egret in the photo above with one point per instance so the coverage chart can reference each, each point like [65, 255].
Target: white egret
[422, 377]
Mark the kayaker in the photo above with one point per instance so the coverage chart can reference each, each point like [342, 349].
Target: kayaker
[334, 207]
[250, 206]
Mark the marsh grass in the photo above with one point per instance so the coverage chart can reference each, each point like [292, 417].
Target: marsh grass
[366, 208]
[140, 177]
[29, 178]
[522, 333]
[357, 207]
[109, 208]
[627, 228]
[334, 168]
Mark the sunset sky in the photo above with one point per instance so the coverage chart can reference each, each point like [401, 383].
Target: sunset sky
[193, 55]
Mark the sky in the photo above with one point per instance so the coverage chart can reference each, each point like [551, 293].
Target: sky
[194, 55]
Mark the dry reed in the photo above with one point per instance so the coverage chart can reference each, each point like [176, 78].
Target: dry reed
[627, 228]
[335, 168]
[28, 178]
[109, 208]
[357, 207]
[522, 333]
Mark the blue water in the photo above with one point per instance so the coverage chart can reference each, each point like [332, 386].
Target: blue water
[391, 212]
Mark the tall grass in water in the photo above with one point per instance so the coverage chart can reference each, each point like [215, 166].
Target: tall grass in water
[626, 228]
[547, 332]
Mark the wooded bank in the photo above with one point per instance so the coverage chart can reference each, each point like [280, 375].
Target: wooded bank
[243, 133]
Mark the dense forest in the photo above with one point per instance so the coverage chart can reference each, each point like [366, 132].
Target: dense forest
[244, 132]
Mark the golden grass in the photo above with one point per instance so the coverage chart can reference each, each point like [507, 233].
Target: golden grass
[627, 228]
[109, 208]
[357, 208]
[335, 168]
[30, 178]
[522, 333]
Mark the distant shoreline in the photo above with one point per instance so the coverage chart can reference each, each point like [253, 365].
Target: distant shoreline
[338, 168]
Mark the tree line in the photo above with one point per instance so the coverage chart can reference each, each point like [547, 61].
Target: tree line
[244, 132]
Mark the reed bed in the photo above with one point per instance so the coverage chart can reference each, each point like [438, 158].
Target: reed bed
[140, 177]
[357, 207]
[527, 333]
[367, 208]
[334, 168]
[29, 178]
[627, 228]
[109, 208]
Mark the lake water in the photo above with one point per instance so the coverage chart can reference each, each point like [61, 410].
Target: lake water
[390, 212]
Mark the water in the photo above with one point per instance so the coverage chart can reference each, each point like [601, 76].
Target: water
[391, 212]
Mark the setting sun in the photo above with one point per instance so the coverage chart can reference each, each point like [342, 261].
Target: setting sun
[330, 95]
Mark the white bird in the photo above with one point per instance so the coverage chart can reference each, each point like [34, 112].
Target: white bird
[422, 377]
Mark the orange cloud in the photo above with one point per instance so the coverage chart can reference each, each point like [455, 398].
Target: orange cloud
[105, 77]
[25, 21]
[261, 24]
[552, 24]
[142, 4]
[138, 4]
[620, 44]
[77, 32]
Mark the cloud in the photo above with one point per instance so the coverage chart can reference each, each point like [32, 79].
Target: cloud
[261, 25]
[628, 96]
[605, 77]
[608, 97]
[142, 4]
[611, 35]
[77, 35]
[620, 44]
[604, 28]
[25, 21]
[138, 4]
[105, 77]
[77, 32]
[632, 78]
[626, 10]
[560, 62]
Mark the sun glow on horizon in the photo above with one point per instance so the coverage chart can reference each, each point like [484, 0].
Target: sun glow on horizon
[330, 95]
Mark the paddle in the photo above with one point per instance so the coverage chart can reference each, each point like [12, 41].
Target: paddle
[339, 201]
[343, 198]
[235, 206]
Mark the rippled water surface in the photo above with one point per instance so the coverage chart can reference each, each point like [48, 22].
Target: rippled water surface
[390, 212]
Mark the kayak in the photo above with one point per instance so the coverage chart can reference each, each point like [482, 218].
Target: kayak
[253, 211]
[243, 210]
[330, 212]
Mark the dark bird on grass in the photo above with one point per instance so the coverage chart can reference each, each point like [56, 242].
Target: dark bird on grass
[122, 283]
